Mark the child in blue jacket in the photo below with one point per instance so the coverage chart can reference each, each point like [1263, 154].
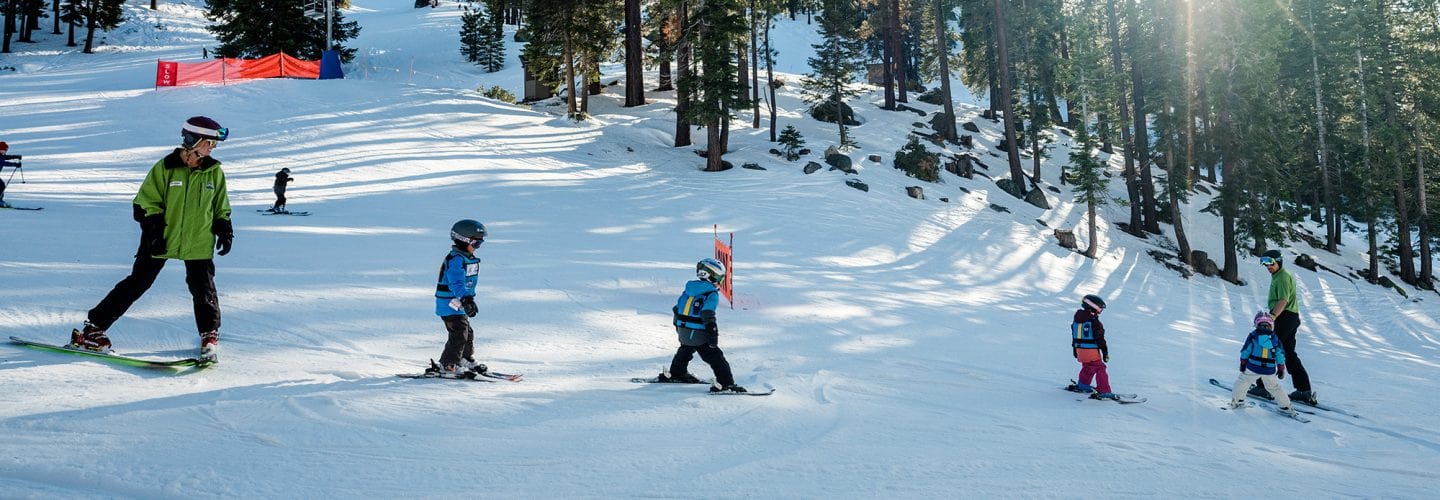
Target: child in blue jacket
[1263, 358]
[694, 314]
[455, 300]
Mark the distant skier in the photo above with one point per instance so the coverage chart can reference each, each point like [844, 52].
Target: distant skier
[1262, 357]
[1087, 344]
[281, 179]
[455, 300]
[184, 214]
[694, 314]
[5, 159]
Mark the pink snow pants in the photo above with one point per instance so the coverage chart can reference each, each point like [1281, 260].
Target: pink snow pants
[1095, 369]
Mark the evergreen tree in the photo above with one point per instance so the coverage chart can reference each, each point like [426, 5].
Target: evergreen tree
[472, 34]
[833, 69]
[792, 142]
[1088, 181]
[490, 41]
[258, 28]
[716, 87]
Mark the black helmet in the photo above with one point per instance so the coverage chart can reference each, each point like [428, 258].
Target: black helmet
[1093, 302]
[467, 232]
[1273, 256]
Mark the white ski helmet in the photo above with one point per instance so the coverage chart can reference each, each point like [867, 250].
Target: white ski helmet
[710, 270]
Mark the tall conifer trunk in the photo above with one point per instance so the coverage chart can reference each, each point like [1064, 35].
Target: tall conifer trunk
[1002, 72]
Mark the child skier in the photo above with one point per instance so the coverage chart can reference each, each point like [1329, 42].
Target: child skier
[694, 314]
[1088, 346]
[455, 301]
[281, 179]
[1262, 357]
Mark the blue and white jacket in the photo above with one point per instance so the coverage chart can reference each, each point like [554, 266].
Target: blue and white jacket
[458, 276]
[1262, 352]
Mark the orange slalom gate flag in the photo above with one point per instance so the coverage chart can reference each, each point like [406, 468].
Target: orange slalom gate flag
[723, 254]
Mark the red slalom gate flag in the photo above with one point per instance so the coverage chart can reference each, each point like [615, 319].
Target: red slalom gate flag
[724, 254]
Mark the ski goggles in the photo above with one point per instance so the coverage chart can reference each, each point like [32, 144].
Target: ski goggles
[1268, 261]
[218, 134]
[473, 241]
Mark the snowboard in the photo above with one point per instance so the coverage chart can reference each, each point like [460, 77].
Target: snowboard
[114, 358]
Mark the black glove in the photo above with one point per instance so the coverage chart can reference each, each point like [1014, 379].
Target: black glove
[224, 235]
[152, 234]
[713, 330]
[470, 308]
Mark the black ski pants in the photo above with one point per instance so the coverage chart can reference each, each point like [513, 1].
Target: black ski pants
[461, 344]
[279, 196]
[712, 355]
[1285, 327]
[199, 277]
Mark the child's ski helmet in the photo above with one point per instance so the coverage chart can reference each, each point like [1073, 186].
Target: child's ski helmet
[467, 232]
[200, 127]
[1093, 302]
[710, 270]
[1263, 318]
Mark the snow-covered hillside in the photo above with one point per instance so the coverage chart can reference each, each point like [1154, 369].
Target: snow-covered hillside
[916, 346]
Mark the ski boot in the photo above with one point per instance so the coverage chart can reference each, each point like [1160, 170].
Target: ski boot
[683, 378]
[1235, 404]
[729, 388]
[1259, 391]
[1080, 388]
[210, 346]
[90, 338]
[469, 365]
[1103, 395]
[1304, 397]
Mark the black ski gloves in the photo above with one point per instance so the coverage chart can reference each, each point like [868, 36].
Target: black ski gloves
[224, 235]
[470, 308]
[152, 234]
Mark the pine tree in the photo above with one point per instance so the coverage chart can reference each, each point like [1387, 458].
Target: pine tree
[716, 87]
[493, 41]
[472, 34]
[835, 63]
[792, 142]
[1088, 181]
[258, 28]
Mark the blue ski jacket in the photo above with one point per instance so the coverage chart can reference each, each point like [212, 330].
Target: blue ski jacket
[458, 276]
[1262, 352]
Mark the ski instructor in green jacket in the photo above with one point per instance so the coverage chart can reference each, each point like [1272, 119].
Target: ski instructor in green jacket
[184, 214]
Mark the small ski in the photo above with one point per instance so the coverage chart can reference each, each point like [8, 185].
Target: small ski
[513, 377]
[656, 380]
[114, 358]
[1123, 399]
[271, 212]
[1270, 402]
[471, 377]
[733, 393]
[24, 208]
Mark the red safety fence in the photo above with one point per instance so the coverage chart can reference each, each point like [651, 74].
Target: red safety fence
[281, 65]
